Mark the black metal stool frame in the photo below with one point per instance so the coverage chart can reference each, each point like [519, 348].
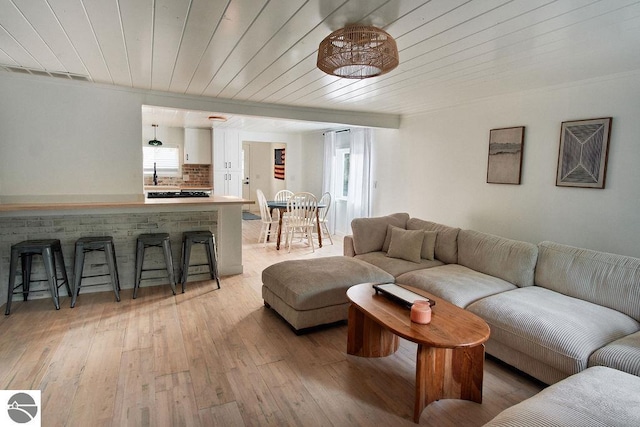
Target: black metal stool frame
[49, 249]
[85, 245]
[160, 240]
[199, 237]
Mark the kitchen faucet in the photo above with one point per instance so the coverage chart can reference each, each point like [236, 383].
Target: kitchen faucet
[155, 175]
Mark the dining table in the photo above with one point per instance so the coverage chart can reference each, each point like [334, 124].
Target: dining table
[281, 207]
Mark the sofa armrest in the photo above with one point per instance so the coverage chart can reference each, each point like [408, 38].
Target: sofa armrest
[348, 249]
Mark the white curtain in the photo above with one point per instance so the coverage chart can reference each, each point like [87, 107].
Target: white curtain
[328, 183]
[359, 197]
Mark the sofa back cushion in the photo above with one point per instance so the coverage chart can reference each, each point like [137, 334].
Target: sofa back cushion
[601, 278]
[510, 260]
[446, 249]
[369, 233]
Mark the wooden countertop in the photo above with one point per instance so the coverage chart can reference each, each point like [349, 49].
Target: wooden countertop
[191, 201]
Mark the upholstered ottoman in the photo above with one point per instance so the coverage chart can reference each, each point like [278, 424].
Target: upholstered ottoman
[308, 293]
[598, 396]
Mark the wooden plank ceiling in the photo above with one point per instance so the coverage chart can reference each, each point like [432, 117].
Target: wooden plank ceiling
[451, 51]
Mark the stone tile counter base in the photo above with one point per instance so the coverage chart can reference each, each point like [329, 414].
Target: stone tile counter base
[124, 227]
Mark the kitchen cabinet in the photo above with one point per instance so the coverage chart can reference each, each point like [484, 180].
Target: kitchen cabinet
[197, 146]
[227, 149]
[227, 183]
[227, 162]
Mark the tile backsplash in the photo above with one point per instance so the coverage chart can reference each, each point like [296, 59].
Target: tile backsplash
[199, 176]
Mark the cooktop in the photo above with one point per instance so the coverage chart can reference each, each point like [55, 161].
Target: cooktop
[174, 194]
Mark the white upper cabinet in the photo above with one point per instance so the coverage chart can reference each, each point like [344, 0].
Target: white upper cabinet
[197, 146]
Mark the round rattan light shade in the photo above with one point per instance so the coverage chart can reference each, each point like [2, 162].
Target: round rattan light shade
[358, 52]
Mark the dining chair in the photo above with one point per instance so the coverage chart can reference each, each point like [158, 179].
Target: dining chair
[301, 217]
[282, 196]
[269, 225]
[323, 209]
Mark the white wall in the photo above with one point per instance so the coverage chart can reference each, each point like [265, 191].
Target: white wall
[70, 141]
[82, 140]
[61, 140]
[313, 159]
[435, 167]
[295, 161]
[167, 135]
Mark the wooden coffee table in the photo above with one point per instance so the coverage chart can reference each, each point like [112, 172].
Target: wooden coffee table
[450, 357]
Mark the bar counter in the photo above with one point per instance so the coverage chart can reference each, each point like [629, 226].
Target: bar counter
[199, 202]
[124, 220]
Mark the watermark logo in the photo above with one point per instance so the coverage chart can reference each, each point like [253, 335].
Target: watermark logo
[22, 408]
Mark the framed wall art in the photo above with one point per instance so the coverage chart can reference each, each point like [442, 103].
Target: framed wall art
[278, 165]
[582, 157]
[505, 155]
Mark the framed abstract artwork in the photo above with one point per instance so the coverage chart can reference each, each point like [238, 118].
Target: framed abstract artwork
[582, 157]
[505, 155]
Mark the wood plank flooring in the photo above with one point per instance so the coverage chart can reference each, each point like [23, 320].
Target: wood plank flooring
[217, 358]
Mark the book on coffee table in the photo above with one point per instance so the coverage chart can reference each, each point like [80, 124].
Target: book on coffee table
[400, 294]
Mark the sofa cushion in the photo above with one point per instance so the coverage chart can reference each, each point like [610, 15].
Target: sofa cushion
[395, 266]
[598, 397]
[623, 354]
[446, 249]
[511, 260]
[369, 233]
[601, 278]
[525, 362]
[558, 330]
[455, 283]
[406, 244]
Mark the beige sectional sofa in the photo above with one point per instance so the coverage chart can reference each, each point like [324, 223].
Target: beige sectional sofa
[554, 310]
[596, 397]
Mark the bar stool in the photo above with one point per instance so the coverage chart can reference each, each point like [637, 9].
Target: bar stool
[92, 244]
[189, 238]
[160, 240]
[49, 249]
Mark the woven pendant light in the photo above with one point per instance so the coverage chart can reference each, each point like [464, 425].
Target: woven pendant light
[358, 52]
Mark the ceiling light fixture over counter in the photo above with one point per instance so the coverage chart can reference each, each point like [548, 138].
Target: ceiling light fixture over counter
[155, 141]
[358, 52]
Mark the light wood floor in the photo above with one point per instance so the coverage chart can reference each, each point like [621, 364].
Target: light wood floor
[217, 357]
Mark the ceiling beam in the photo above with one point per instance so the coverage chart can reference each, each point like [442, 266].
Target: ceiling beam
[280, 111]
[230, 106]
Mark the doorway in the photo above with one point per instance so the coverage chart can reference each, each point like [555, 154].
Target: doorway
[246, 176]
[258, 171]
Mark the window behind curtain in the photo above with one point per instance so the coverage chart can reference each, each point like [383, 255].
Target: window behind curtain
[342, 174]
[167, 160]
[342, 161]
